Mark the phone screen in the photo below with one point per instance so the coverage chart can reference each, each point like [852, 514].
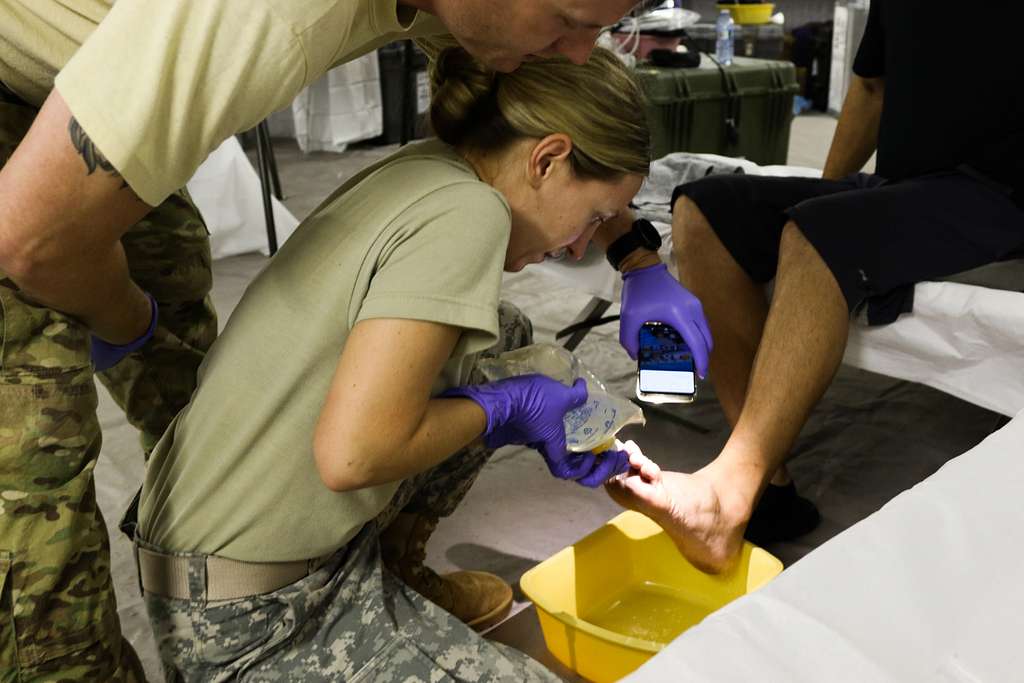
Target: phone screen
[665, 363]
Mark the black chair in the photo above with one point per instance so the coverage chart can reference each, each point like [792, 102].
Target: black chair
[270, 181]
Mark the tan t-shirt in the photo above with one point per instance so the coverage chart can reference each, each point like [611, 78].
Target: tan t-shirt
[417, 236]
[157, 85]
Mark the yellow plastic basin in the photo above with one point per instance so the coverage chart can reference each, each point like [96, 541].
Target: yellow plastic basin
[759, 13]
[612, 600]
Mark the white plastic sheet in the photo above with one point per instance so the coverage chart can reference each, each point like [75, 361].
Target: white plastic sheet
[227, 191]
[926, 589]
[964, 340]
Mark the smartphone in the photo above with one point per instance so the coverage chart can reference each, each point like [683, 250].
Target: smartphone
[665, 371]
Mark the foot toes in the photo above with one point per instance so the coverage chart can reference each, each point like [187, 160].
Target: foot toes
[650, 471]
[631, 448]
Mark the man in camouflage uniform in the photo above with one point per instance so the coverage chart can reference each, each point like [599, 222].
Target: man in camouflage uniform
[57, 595]
[64, 284]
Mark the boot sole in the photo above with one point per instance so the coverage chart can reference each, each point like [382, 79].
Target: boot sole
[495, 616]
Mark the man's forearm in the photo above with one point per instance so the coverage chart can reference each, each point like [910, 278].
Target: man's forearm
[856, 135]
[63, 209]
[99, 292]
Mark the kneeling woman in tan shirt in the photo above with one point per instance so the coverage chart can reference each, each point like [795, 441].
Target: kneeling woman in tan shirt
[284, 513]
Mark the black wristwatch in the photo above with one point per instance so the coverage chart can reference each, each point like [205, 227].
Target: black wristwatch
[641, 234]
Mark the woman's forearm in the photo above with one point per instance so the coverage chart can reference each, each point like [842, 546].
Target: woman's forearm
[376, 456]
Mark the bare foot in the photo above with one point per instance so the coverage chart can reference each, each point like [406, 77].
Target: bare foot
[705, 525]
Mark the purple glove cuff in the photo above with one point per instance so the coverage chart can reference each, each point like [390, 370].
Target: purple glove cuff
[646, 269]
[495, 404]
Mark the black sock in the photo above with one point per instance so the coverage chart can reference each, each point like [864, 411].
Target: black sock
[781, 515]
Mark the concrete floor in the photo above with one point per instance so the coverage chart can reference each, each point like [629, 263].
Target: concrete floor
[870, 438]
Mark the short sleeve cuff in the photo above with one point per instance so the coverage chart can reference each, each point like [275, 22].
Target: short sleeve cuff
[866, 69]
[103, 133]
[869, 61]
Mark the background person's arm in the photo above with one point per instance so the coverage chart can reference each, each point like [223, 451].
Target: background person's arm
[856, 136]
[379, 423]
[63, 209]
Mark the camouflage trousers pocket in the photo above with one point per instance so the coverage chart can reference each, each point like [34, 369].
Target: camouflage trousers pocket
[153, 384]
[219, 640]
[404, 661]
[58, 581]
[38, 344]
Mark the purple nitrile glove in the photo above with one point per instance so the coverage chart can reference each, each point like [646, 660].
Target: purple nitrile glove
[651, 294]
[529, 410]
[602, 466]
[106, 355]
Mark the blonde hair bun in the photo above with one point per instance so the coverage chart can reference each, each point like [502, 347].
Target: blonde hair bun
[460, 84]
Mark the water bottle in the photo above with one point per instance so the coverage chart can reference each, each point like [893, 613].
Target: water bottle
[725, 27]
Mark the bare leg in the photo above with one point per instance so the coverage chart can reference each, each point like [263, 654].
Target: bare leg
[802, 346]
[804, 337]
[736, 307]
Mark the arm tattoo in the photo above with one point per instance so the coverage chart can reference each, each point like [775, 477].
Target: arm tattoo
[92, 156]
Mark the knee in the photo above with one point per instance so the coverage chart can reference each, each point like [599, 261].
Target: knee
[690, 228]
[698, 250]
[794, 246]
[799, 260]
[514, 328]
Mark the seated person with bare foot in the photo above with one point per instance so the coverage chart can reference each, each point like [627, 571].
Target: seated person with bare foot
[948, 196]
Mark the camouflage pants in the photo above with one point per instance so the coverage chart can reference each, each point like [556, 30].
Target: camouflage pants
[58, 619]
[350, 620]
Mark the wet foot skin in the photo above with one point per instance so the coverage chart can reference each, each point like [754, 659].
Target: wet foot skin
[705, 523]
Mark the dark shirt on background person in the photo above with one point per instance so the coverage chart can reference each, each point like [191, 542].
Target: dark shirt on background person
[953, 89]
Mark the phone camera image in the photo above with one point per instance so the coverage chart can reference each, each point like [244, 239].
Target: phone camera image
[665, 369]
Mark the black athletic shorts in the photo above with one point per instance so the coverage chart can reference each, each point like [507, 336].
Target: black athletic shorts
[877, 237]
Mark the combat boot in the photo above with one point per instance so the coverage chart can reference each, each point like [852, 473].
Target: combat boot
[478, 599]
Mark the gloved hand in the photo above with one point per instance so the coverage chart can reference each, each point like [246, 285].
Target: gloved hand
[596, 468]
[529, 410]
[652, 295]
[106, 355]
